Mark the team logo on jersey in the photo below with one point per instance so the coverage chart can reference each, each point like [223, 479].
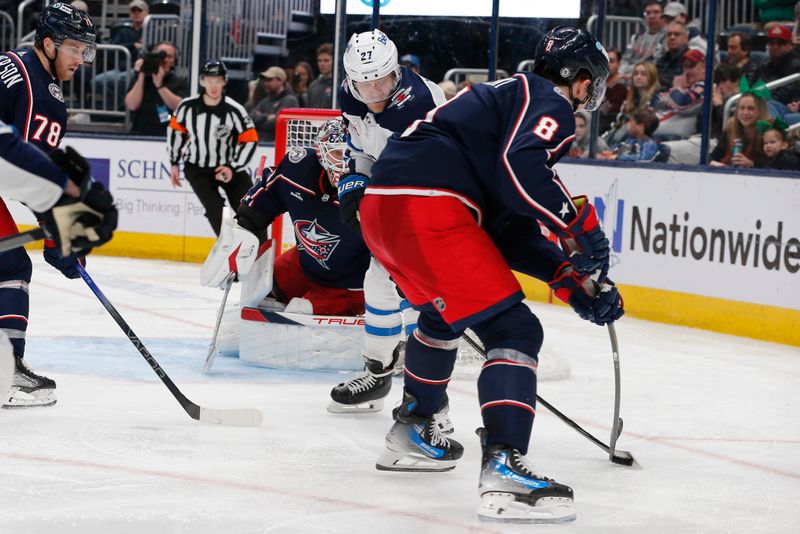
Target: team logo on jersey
[296, 154]
[222, 131]
[55, 90]
[401, 97]
[315, 240]
[439, 303]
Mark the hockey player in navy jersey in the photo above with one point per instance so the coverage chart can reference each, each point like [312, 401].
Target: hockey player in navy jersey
[451, 208]
[77, 214]
[31, 100]
[378, 98]
[324, 273]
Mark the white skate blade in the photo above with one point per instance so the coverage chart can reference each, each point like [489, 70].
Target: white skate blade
[364, 407]
[234, 417]
[409, 461]
[501, 507]
[36, 399]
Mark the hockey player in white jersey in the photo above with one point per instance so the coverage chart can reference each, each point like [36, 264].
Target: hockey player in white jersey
[378, 98]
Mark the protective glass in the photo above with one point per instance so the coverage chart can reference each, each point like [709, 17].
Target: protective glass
[78, 49]
[597, 91]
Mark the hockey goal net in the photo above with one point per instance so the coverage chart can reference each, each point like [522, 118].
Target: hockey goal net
[298, 128]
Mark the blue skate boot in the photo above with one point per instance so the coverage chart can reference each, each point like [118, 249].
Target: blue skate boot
[511, 492]
[416, 443]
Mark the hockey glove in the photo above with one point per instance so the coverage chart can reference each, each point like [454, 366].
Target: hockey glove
[351, 191]
[600, 304]
[76, 225]
[234, 252]
[65, 264]
[586, 244]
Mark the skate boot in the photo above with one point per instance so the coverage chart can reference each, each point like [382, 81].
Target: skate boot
[364, 393]
[415, 443]
[28, 389]
[511, 492]
[441, 418]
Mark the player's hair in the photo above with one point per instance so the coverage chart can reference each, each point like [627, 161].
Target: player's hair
[647, 117]
[325, 48]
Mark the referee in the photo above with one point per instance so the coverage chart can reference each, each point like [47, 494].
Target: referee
[215, 138]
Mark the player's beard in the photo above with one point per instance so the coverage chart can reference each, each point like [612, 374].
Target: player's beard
[63, 72]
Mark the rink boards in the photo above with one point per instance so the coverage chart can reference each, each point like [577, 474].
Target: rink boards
[691, 246]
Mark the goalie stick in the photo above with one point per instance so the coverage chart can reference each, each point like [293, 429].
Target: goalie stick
[618, 457]
[18, 240]
[226, 417]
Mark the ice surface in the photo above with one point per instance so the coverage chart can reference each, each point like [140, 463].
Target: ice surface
[713, 419]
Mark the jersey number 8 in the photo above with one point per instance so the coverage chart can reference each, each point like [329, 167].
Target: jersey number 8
[53, 136]
[546, 128]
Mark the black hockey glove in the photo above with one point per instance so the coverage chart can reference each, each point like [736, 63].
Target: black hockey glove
[585, 243]
[351, 191]
[599, 303]
[65, 264]
[76, 225]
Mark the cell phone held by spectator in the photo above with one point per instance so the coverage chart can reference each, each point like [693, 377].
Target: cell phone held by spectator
[152, 61]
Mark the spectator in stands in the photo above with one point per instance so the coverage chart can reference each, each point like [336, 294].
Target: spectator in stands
[580, 146]
[676, 11]
[301, 78]
[739, 46]
[127, 34]
[320, 92]
[647, 45]
[448, 88]
[796, 31]
[779, 155]
[641, 94]
[153, 96]
[726, 84]
[639, 145]
[783, 61]
[678, 108]
[411, 61]
[670, 64]
[616, 90]
[278, 96]
[741, 144]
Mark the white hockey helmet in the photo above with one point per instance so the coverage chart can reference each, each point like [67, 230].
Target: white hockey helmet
[331, 148]
[370, 57]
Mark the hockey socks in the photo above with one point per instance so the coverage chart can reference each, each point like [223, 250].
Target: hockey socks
[428, 368]
[507, 395]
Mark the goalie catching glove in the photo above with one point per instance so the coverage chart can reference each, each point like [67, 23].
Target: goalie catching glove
[76, 225]
[584, 241]
[599, 303]
[351, 190]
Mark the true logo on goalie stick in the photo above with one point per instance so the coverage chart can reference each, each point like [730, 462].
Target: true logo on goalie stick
[316, 241]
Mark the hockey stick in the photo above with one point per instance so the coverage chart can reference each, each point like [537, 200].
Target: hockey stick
[18, 240]
[617, 457]
[212, 348]
[226, 417]
[616, 427]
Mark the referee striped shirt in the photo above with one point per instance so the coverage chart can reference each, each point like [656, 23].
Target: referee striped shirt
[211, 136]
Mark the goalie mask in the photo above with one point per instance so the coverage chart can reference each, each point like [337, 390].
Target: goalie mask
[62, 21]
[331, 145]
[370, 61]
[567, 51]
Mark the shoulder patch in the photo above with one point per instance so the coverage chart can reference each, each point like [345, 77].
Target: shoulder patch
[296, 154]
[55, 90]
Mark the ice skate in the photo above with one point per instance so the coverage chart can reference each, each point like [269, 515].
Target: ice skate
[364, 393]
[416, 443]
[511, 492]
[29, 390]
[441, 418]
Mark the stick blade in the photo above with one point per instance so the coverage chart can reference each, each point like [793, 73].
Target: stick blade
[625, 458]
[248, 417]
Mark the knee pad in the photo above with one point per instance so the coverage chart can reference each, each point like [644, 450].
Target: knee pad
[15, 265]
[516, 329]
[434, 331]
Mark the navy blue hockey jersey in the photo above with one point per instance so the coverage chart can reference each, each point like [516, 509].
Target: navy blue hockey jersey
[31, 100]
[493, 147]
[330, 253]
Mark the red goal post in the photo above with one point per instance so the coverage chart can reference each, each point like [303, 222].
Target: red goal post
[296, 127]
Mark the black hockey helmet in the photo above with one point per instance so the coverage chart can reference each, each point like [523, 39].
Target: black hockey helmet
[566, 51]
[61, 21]
[215, 67]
